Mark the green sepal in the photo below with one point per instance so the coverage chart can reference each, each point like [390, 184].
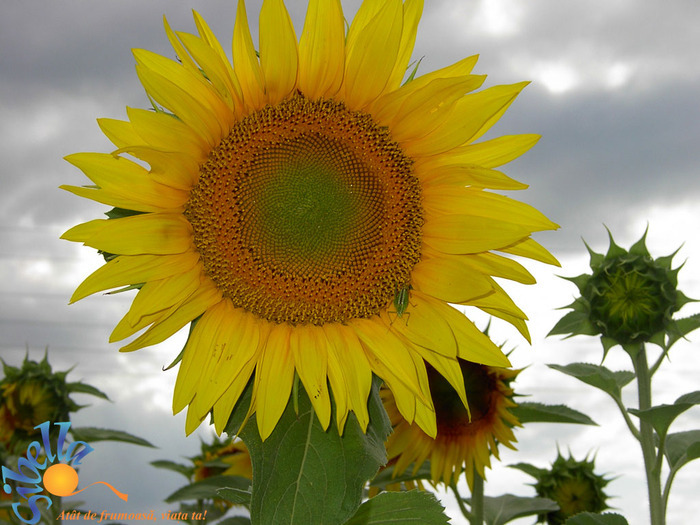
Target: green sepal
[207, 488]
[596, 259]
[660, 417]
[304, 474]
[598, 376]
[682, 448]
[90, 434]
[681, 328]
[540, 413]
[530, 470]
[120, 213]
[588, 518]
[580, 281]
[502, 509]
[574, 323]
[614, 250]
[399, 508]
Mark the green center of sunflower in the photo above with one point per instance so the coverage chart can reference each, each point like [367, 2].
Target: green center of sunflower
[307, 213]
[631, 298]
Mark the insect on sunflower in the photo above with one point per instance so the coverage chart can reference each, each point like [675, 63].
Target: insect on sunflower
[290, 193]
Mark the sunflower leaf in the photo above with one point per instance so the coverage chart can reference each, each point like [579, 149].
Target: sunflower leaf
[208, 488]
[175, 467]
[304, 474]
[661, 416]
[235, 495]
[682, 448]
[505, 508]
[400, 508]
[105, 434]
[83, 388]
[597, 376]
[540, 413]
[588, 518]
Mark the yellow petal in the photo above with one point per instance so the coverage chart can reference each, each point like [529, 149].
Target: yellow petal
[371, 53]
[163, 131]
[472, 344]
[134, 269]
[473, 116]
[390, 350]
[450, 279]
[201, 345]
[194, 84]
[184, 105]
[239, 344]
[459, 234]
[278, 51]
[414, 115]
[127, 179]
[110, 198]
[487, 264]
[532, 250]
[412, 11]
[488, 154]
[171, 168]
[204, 297]
[322, 50]
[274, 376]
[467, 175]
[348, 369]
[148, 233]
[454, 199]
[245, 62]
[309, 345]
[119, 132]
[158, 295]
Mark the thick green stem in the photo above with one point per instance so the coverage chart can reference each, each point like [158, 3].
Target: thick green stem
[477, 517]
[653, 470]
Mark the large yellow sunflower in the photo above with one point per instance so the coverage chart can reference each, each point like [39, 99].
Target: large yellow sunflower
[313, 213]
[465, 439]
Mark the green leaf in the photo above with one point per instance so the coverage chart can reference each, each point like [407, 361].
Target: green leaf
[83, 388]
[682, 448]
[597, 376]
[236, 520]
[303, 474]
[175, 467]
[508, 507]
[120, 213]
[399, 508]
[235, 495]
[588, 518]
[207, 488]
[540, 413]
[386, 476]
[90, 434]
[660, 417]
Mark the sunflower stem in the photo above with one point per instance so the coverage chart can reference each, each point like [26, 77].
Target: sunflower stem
[460, 500]
[653, 472]
[477, 514]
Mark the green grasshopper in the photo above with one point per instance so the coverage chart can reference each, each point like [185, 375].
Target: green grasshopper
[401, 301]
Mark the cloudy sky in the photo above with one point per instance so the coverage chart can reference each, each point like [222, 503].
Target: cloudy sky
[614, 94]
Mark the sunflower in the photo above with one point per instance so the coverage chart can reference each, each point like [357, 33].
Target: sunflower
[311, 213]
[465, 439]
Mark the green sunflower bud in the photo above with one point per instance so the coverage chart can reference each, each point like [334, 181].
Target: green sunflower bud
[573, 485]
[629, 298]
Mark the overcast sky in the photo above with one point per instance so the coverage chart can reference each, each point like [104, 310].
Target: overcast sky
[614, 94]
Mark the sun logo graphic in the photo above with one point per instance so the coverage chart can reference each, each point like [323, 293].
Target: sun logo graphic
[47, 469]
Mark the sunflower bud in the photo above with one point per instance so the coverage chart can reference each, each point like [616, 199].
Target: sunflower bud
[628, 299]
[29, 396]
[573, 485]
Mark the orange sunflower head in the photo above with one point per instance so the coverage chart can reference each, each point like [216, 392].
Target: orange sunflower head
[465, 439]
[313, 212]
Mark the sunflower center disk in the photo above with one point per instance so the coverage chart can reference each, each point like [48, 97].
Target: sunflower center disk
[307, 213]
